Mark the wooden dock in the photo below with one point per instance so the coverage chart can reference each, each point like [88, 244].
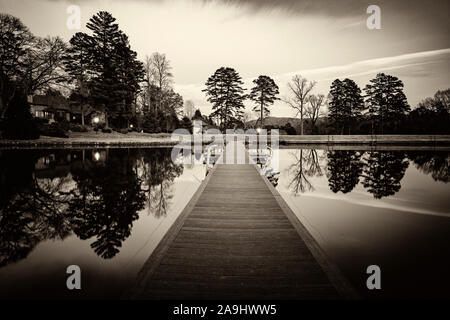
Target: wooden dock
[238, 239]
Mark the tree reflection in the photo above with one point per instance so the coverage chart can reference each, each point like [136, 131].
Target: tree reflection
[93, 194]
[106, 201]
[383, 172]
[344, 170]
[306, 165]
[436, 164]
[159, 173]
[31, 209]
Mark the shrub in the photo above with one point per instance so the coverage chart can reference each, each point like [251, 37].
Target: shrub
[106, 130]
[78, 128]
[19, 123]
[53, 130]
[290, 130]
[63, 124]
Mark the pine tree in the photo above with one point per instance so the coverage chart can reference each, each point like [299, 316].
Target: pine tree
[129, 73]
[346, 104]
[224, 90]
[336, 109]
[105, 63]
[354, 103]
[105, 37]
[263, 94]
[386, 100]
[77, 60]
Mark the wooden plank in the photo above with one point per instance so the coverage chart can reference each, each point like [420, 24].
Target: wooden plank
[235, 240]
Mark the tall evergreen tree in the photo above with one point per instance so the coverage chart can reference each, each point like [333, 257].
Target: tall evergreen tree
[106, 59]
[354, 101]
[224, 90]
[77, 60]
[263, 94]
[346, 104]
[386, 100]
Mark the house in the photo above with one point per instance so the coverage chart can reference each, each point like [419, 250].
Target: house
[51, 106]
[55, 107]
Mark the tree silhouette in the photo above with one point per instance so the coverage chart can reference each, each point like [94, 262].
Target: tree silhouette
[383, 172]
[224, 90]
[105, 62]
[300, 90]
[386, 100]
[344, 170]
[263, 94]
[346, 104]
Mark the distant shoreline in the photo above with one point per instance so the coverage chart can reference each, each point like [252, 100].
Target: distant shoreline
[164, 140]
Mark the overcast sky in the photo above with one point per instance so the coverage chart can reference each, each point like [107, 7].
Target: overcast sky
[319, 39]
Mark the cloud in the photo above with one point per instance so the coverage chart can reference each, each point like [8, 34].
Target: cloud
[373, 66]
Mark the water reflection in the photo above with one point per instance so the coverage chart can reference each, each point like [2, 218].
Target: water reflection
[383, 172]
[343, 170]
[380, 172]
[305, 165]
[90, 193]
[389, 208]
[435, 164]
[158, 174]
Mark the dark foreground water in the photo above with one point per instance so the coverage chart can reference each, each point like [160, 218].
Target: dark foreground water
[106, 210]
[103, 210]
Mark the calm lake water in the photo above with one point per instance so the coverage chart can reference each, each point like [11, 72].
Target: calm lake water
[385, 208]
[103, 210]
[106, 210]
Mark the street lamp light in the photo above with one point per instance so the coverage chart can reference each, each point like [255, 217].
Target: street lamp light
[96, 121]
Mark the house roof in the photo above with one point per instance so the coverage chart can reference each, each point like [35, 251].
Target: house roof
[51, 101]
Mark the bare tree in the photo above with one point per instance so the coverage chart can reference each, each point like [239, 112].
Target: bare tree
[315, 109]
[160, 70]
[158, 80]
[300, 90]
[45, 64]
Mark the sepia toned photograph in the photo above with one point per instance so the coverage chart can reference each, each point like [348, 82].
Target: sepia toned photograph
[224, 157]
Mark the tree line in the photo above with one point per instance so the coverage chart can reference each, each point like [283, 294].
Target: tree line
[380, 108]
